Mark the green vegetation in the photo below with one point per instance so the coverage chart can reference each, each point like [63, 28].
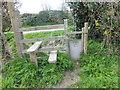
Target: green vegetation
[44, 34]
[98, 68]
[22, 73]
[27, 26]
[45, 18]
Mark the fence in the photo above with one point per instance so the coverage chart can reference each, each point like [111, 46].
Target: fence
[20, 40]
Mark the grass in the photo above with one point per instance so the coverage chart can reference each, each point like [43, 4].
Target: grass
[98, 69]
[44, 34]
[26, 26]
[22, 73]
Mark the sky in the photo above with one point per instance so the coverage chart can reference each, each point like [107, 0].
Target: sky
[35, 6]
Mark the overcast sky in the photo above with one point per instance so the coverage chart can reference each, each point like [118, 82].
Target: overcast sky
[34, 6]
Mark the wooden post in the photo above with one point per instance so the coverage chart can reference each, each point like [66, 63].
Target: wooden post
[3, 38]
[66, 31]
[20, 34]
[14, 15]
[1, 44]
[85, 37]
[33, 57]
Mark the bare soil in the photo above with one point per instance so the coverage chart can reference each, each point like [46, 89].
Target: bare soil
[70, 78]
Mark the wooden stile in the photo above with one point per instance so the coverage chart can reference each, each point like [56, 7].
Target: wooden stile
[32, 51]
[18, 34]
[34, 47]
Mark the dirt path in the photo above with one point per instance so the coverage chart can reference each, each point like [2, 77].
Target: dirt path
[69, 78]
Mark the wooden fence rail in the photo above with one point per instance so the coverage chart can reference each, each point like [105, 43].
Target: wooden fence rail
[42, 27]
[43, 39]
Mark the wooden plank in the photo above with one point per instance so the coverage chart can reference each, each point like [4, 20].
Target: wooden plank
[42, 27]
[53, 57]
[74, 32]
[43, 39]
[85, 38]
[34, 47]
[45, 49]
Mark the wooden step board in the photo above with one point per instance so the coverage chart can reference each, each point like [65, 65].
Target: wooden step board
[34, 47]
[53, 57]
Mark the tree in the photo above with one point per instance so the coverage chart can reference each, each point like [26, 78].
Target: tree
[80, 14]
[45, 6]
[5, 50]
[103, 20]
[64, 6]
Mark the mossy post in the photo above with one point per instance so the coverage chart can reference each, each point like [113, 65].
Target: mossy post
[85, 37]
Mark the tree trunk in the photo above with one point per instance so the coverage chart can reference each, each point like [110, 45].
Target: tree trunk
[1, 47]
[5, 48]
